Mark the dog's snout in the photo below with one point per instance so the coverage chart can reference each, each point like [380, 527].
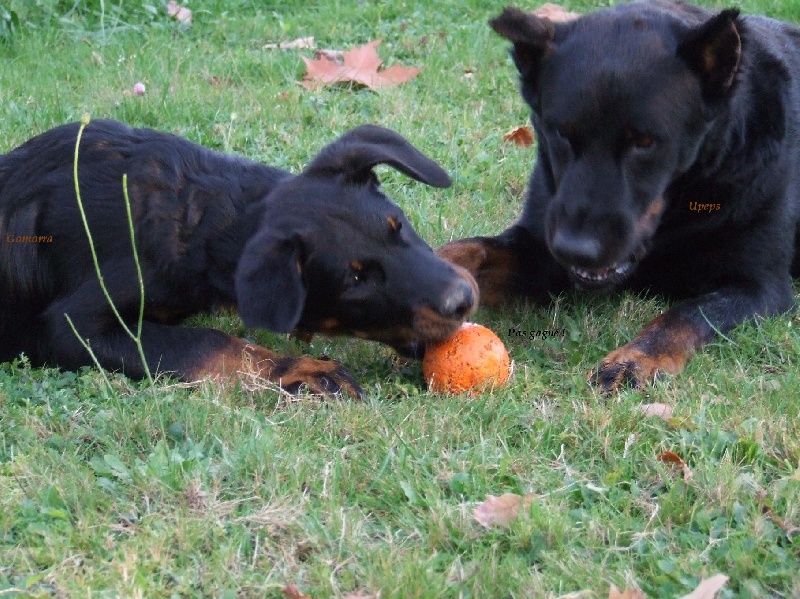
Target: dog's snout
[576, 249]
[459, 301]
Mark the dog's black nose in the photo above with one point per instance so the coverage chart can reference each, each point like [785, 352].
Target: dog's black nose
[459, 301]
[576, 249]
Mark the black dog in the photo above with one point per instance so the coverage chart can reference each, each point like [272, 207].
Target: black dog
[668, 161]
[324, 251]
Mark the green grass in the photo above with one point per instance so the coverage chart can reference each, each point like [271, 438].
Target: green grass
[190, 491]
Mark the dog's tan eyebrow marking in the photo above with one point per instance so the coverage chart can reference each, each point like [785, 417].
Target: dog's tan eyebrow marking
[394, 223]
[356, 265]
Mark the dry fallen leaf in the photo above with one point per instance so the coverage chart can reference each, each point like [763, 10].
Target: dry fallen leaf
[501, 511]
[359, 65]
[292, 592]
[520, 136]
[615, 593]
[708, 588]
[672, 458]
[215, 80]
[789, 529]
[555, 13]
[180, 13]
[658, 410]
[336, 56]
[301, 43]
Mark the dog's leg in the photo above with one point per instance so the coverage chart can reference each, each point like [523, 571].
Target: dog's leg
[669, 340]
[662, 346]
[196, 354]
[510, 264]
[190, 354]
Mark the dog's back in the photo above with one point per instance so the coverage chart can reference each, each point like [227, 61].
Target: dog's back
[45, 252]
[779, 44]
[766, 106]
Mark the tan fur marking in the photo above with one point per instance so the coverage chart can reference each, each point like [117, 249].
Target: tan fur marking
[647, 224]
[241, 359]
[659, 347]
[492, 268]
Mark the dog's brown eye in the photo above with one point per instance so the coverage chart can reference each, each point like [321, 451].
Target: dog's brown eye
[643, 142]
[357, 269]
[367, 271]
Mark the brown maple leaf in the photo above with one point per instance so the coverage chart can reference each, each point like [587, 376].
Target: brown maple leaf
[657, 410]
[673, 459]
[501, 511]
[301, 43]
[520, 136]
[555, 13]
[708, 588]
[292, 592]
[359, 65]
[615, 593]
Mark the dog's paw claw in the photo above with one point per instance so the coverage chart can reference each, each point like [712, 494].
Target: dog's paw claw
[319, 377]
[614, 376]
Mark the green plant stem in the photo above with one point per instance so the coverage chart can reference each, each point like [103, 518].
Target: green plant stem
[135, 337]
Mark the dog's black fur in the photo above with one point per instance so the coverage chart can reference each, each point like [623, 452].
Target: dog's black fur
[324, 251]
[668, 161]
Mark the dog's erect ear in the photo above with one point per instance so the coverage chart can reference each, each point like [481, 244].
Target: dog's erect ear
[270, 293]
[355, 154]
[712, 51]
[531, 36]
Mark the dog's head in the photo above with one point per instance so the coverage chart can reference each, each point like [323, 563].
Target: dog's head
[334, 255]
[622, 100]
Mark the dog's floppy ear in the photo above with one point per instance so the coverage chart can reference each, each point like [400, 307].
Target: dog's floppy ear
[530, 34]
[355, 154]
[270, 292]
[712, 50]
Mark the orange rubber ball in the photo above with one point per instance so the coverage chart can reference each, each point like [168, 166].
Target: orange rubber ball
[473, 359]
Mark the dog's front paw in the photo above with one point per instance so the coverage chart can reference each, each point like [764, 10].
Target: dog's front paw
[632, 367]
[320, 377]
[240, 360]
[662, 347]
[620, 368]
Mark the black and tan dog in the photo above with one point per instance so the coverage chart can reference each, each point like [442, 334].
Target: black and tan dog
[324, 251]
[668, 161]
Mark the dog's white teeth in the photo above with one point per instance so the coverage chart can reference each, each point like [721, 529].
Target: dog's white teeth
[593, 275]
[601, 274]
